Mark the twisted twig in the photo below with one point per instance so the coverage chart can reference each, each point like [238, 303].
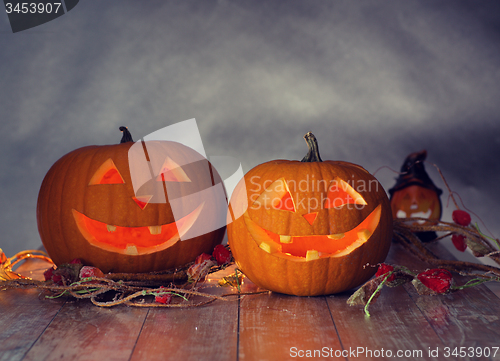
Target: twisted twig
[404, 233]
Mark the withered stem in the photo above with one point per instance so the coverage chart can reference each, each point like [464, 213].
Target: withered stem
[313, 151]
[127, 137]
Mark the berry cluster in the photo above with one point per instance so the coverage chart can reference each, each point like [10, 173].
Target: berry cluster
[462, 218]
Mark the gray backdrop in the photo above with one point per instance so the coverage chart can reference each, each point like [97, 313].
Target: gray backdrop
[374, 80]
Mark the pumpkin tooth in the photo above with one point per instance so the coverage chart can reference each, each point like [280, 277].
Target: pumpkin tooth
[364, 234]
[285, 239]
[110, 228]
[131, 250]
[155, 229]
[270, 247]
[336, 236]
[312, 254]
[265, 247]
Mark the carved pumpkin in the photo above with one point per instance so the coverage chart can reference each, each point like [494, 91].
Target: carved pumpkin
[309, 228]
[90, 208]
[415, 195]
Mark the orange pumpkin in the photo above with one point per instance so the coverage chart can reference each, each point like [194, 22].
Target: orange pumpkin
[415, 194]
[90, 208]
[309, 228]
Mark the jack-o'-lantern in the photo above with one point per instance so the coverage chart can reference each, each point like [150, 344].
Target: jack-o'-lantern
[415, 195]
[90, 208]
[309, 228]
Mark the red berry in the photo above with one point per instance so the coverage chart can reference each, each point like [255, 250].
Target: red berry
[48, 274]
[202, 258]
[459, 242]
[383, 269]
[88, 271]
[461, 218]
[439, 280]
[221, 254]
[201, 267]
[76, 261]
[57, 279]
[51, 274]
[165, 298]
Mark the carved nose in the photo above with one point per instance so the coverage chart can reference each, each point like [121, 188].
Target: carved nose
[310, 217]
[142, 201]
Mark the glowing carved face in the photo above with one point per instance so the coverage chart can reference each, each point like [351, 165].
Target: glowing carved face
[416, 201]
[135, 240]
[309, 227]
[312, 215]
[92, 207]
[415, 195]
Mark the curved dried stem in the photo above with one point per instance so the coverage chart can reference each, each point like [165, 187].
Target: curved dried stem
[404, 233]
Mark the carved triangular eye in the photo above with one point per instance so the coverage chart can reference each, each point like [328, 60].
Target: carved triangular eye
[341, 193]
[277, 196]
[310, 217]
[142, 201]
[285, 203]
[172, 172]
[107, 174]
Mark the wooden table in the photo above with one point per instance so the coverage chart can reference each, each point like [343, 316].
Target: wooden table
[267, 326]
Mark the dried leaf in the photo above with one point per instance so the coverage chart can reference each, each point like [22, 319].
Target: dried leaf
[363, 294]
[421, 288]
[198, 271]
[477, 248]
[231, 280]
[400, 278]
[69, 272]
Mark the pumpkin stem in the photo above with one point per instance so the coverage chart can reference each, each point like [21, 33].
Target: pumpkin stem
[127, 137]
[313, 152]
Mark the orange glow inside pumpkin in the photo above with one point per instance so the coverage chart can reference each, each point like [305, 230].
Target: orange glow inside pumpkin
[315, 246]
[134, 240]
[416, 201]
[172, 172]
[142, 201]
[286, 203]
[278, 196]
[107, 173]
[310, 217]
[341, 193]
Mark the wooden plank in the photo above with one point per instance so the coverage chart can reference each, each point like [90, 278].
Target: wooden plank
[396, 326]
[467, 318]
[24, 314]
[279, 327]
[266, 327]
[464, 319]
[494, 287]
[398, 323]
[81, 331]
[200, 333]
[33, 268]
[23, 318]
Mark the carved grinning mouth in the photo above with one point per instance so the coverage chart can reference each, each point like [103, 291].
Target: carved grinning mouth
[134, 240]
[315, 246]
